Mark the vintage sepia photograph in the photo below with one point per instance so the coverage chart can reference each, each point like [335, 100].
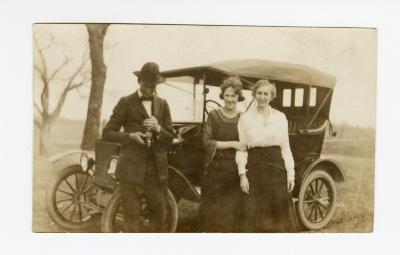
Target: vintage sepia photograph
[146, 128]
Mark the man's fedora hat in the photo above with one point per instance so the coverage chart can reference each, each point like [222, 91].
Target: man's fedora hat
[150, 73]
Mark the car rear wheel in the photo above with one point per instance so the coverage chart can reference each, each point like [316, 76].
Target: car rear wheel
[317, 200]
[71, 199]
[112, 220]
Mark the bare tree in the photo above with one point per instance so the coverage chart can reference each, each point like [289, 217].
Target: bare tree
[96, 32]
[45, 117]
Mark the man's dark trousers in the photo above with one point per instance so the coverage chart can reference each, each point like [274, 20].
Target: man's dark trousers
[155, 194]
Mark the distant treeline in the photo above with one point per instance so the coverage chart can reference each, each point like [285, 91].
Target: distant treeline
[75, 129]
[353, 132]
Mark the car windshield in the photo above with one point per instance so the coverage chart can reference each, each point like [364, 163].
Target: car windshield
[186, 100]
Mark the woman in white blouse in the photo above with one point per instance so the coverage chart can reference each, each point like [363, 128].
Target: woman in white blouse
[266, 169]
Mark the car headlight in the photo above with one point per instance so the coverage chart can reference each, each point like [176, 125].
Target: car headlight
[84, 161]
[113, 166]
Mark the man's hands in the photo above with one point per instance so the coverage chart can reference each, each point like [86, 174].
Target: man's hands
[152, 124]
[137, 137]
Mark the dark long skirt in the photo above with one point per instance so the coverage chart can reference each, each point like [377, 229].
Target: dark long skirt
[220, 191]
[269, 206]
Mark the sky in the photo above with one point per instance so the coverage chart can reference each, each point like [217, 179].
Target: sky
[349, 54]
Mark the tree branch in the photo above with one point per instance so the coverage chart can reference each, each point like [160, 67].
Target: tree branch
[60, 103]
[58, 69]
[49, 44]
[37, 68]
[85, 59]
[75, 86]
[44, 97]
[41, 73]
[70, 86]
[41, 55]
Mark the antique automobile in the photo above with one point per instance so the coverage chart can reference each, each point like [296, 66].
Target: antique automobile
[83, 192]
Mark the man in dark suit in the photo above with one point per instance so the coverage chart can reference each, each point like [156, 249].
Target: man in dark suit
[142, 168]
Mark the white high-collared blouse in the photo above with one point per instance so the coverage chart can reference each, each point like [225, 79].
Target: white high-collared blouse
[256, 131]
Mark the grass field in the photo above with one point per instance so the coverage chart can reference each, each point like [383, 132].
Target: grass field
[354, 212]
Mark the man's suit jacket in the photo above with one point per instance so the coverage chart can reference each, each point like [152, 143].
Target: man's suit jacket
[130, 113]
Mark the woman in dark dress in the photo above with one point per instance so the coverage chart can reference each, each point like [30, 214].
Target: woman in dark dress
[220, 183]
[266, 169]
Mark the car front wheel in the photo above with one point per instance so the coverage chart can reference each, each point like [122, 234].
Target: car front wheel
[71, 199]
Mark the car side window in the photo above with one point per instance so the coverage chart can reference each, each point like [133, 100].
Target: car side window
[298, 97]
[313, 97]
[287, 98]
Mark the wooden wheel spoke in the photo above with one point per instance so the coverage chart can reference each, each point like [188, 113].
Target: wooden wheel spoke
[325, 199]
[90, 207]
[69, 185]
[87, 189]
[312, 188]
[65, 192]
[310, 212]
[309, 215]
[323, 206]
[320, 188]
[315, 214]
[63, 200]
[309, 194]
[66, 208]
[84, 182]
[77, 181]
[80, 212]
[86, 207]
[320, 212]
[316, 186]
[72, 213]
[308, 207]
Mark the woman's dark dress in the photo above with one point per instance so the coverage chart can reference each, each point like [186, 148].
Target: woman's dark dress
[220, 186]
[268, 207]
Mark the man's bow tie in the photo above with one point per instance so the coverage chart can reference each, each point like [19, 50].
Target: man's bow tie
[150, 98]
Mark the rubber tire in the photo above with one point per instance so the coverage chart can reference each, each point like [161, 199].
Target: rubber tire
[113, 205]
[300, 209]
[52, 210]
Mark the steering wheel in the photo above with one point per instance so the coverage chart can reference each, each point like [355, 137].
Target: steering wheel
[209, 108]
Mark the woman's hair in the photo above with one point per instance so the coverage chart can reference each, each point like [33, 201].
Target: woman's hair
[236, 84]
[261, 83]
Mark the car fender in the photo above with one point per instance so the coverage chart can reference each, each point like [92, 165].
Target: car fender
[181, 186]
[67, 158]
[313, 162]
[332, 167]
